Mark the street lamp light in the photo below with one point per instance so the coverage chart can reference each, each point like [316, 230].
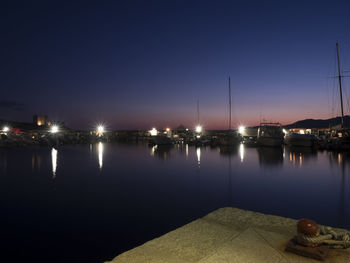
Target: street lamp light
[241, 129]
[100, 130]
[153, 132]
[54, 129]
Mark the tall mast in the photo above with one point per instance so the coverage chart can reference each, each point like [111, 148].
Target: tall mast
[229, 95]
[197, 111]
[341, 93]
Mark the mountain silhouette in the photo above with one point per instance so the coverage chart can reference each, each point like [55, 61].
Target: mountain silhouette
[312, 123]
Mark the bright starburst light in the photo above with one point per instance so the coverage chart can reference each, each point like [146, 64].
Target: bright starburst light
[199, 129]
[241, 129]
[54, 129]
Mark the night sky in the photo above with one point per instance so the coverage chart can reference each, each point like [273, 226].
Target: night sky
[139, 64]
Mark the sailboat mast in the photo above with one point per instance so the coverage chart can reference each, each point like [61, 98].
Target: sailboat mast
[229, 95]
[197, 111]
[340, 89]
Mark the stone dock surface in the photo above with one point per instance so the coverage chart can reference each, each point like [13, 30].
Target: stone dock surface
[226, 235]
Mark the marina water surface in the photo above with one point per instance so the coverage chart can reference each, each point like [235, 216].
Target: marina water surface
[89, 203]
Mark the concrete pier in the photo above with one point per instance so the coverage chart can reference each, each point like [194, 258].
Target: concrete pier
[226, 235]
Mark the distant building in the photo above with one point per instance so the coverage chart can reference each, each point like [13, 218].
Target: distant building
[40, 120]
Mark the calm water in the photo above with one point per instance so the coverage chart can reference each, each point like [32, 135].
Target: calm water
[91, 202]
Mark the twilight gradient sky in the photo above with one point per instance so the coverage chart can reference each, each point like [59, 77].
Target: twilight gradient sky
[137, 64]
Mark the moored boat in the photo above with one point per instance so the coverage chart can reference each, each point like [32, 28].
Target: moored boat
[229, 138]
[270, 134]
[297, 139]
[340, 140]
[162, 140]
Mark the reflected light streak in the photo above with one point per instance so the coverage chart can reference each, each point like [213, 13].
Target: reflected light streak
[186, 150]
[241, 152]
[33, 161]
[100, 155]
[153, 150]
[296, 158]
[340, 158]
[54, 162]
[199, 156]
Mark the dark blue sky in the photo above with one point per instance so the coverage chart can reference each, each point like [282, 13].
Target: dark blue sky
[138, 64]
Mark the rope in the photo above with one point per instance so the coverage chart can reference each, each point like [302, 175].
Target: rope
[328, 236]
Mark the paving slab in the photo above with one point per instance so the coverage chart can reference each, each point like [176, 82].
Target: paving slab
[248, 247]
[226, 235]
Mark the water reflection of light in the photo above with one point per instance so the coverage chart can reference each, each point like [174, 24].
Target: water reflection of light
[241, 152]
[186, 150]
[295, 158]
[340, 158]
[154, 148]
[199, 156]
[54, 161]
[100, 155]
[33, 161]
[39, 161]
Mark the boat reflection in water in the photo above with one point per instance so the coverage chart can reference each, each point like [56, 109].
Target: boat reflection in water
[270, 156]
[100, 155]
[340, 160]
[180, 148]
[228, 150]
[161, 151]
[54, 162]
[298, 155]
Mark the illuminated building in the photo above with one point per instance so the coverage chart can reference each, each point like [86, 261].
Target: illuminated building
[40, 120]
